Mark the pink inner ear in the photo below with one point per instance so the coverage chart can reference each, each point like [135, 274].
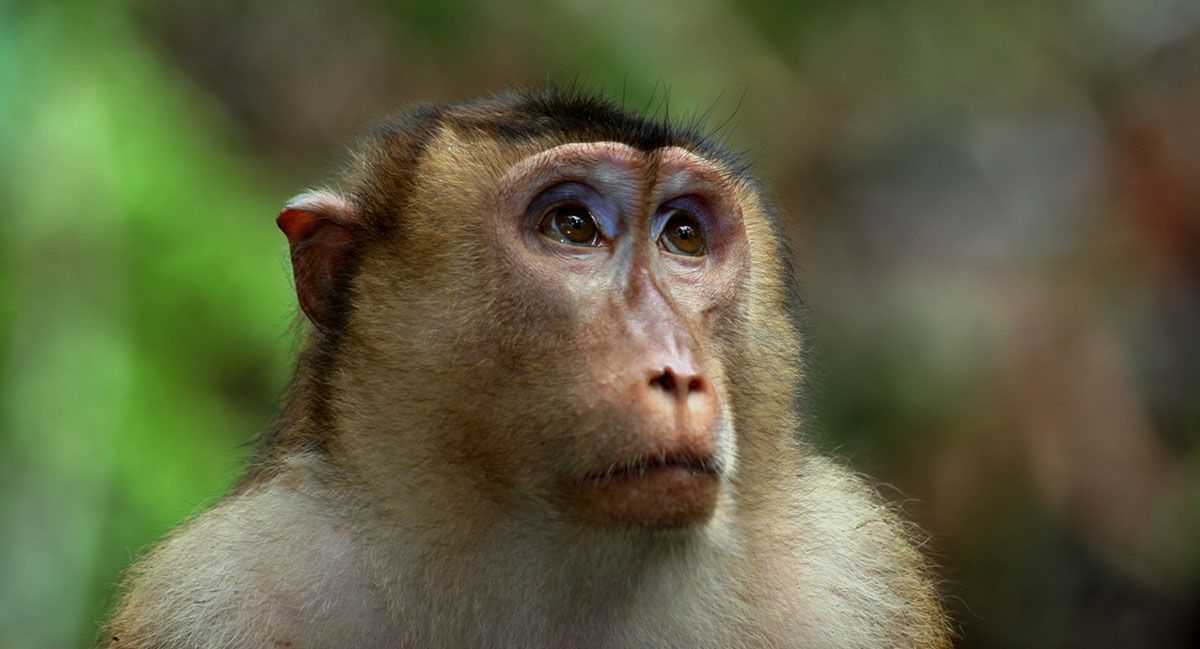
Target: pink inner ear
[319, 228]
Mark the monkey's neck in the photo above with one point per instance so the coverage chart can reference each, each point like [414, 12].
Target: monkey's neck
[459, 581]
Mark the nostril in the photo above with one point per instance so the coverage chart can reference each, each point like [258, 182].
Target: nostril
[664, 381]
[684, 397]
[669, 382]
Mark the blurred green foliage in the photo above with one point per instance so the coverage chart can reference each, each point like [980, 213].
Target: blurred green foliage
[145, 310]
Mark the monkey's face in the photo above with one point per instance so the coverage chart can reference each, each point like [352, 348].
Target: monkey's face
[613, 276]
[555, 324]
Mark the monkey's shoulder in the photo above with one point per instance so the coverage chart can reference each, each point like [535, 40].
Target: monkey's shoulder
[267, 568]
[856, 563]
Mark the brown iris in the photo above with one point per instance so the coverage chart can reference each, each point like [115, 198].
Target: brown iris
[682, 235]
[571, 223]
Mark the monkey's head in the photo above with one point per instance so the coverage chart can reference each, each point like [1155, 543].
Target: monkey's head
[550, 303]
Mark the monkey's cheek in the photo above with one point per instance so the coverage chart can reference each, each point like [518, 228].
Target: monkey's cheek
[664, 498]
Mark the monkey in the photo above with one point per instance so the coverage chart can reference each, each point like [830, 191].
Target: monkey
[549, 398]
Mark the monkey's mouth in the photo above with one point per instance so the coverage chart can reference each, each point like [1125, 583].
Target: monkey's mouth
[651, 464]
[666, 490]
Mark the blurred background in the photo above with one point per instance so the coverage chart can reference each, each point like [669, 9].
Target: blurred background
[995, 208]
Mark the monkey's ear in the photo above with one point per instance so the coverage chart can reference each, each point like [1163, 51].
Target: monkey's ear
[320, 227]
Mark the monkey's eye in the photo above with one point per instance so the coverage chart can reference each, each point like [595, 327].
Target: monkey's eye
[682, 235]
[571, 223]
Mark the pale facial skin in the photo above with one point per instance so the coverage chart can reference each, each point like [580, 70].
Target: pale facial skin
[645, 250]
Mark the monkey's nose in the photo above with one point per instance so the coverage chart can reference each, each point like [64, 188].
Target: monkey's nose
[684, 394]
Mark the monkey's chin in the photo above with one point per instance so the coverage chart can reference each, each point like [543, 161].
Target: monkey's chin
[659, 497]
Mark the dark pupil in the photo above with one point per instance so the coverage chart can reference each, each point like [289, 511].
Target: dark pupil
[574, 226]
[572, 222]
[684, 236]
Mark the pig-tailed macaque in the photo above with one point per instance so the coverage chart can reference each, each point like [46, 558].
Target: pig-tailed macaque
[548, 400]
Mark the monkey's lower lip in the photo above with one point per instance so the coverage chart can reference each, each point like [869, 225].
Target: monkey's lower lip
[657, 493]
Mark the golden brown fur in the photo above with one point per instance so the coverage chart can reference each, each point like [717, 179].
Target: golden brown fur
[394, 502]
